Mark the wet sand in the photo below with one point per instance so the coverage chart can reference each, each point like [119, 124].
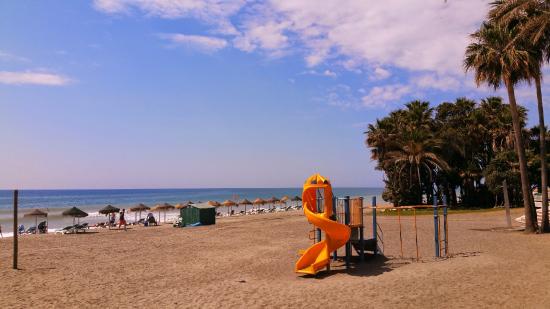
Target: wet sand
[249, 262]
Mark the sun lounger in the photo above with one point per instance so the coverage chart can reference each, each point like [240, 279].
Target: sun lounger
[31, 230]
[66, 230]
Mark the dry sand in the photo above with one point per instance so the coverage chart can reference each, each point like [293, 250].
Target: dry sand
[249, 262]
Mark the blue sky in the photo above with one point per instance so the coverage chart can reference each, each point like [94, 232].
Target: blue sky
[158, 93]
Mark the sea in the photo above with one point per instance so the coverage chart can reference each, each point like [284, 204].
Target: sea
[56, 201]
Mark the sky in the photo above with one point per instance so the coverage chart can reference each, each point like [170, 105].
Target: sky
[194, 94]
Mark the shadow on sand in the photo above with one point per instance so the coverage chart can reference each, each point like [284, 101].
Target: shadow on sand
[373, 265]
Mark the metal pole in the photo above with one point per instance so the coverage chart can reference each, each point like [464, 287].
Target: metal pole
[445, 226]
[400, 233]
[436, 226]
[318, 230]
[374, 228]
[15, 231]
[416, 234]
[346, 221]
[335, 214]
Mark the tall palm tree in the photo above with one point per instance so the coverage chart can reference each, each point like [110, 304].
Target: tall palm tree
[532, 20]
[495, 60]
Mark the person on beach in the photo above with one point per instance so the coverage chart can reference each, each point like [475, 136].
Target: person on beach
[121, 220]
[112, 221]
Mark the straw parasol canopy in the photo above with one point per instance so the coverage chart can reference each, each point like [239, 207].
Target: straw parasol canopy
[108, 210]
[273, 200]
[36, 213]
[181, 205]
[258, 202]
[75, 213]
[165, 207]
[139, 208]
[296, 199]
[285, 198]
[228, 203]
[214, 203]
[244, 202]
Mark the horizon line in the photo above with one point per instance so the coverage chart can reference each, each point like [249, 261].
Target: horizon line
[201, 188]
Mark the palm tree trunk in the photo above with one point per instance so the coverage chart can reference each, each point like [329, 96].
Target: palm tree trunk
[543, 172]
[530, 214]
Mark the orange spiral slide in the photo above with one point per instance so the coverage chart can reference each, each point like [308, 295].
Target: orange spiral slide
[337, 235]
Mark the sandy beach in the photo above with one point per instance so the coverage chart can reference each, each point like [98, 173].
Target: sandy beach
[249, 261]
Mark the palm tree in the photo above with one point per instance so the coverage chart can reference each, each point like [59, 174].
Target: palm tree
[495, 60]
[416, 152]
[532, 19]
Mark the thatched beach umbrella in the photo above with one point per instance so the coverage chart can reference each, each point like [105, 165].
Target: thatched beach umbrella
[164, 207]
[37, 213]
[296, 199]
[139, 208]
[181, 205]
[228, 203]
[273, 200]
[214, 203]
[285, 198]
[75, 213]
[109, 209]
[258, 202]
[244, 202]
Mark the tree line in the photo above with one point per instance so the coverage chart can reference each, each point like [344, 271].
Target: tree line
[462, 149]
[472, 148]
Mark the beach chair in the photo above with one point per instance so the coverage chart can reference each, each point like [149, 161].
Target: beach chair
[21, 229]
[31, 230]
[66, 230]
[81, 227]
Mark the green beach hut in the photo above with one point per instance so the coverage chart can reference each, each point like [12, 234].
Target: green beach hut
[198, 215]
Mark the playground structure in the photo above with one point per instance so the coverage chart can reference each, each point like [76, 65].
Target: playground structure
[341, 220]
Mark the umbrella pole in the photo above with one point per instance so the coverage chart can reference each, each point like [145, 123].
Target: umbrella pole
[35, 224]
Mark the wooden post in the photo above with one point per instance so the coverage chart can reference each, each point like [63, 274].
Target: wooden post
[416, 235]
[15, 228]
[400, 234]
[506, 203]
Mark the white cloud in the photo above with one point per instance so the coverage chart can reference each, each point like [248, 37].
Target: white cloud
[8, 57]
[412, 35]
[380, 96]
[380, 73]
[341, 96]
[204, 43]
[327, 73]
[444, 83]
[215, 12]
[32, 78]
[259, 34]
